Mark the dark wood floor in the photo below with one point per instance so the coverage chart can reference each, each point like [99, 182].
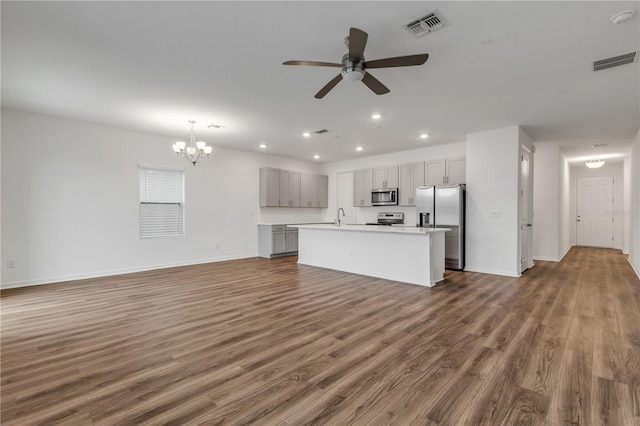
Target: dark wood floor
[271, 342]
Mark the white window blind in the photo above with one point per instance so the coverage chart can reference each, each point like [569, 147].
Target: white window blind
[161, 202]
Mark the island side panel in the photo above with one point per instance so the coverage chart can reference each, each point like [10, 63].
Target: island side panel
[393, 256]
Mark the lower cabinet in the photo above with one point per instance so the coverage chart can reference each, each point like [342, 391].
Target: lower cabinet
[277, 240]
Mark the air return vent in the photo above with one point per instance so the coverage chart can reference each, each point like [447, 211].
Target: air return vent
[423, 24]
[319, 132]
[615, 61]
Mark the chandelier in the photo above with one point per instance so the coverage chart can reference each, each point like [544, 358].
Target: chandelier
[594, 163]
[195, 151]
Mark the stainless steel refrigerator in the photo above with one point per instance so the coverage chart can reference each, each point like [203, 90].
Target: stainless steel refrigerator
[443, 207]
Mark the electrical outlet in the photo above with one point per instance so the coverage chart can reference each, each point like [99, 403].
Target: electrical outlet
[11, 263]
[217, 246]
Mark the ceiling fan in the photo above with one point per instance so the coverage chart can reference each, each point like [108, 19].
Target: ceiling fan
[354, 67]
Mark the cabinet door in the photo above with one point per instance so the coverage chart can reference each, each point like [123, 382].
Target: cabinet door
[323, 191]
[392, 177]
[285, 200]
[362, 185]
[417, 172]
[269, 187]
[434, 172]
[368, 186]
[380, 177]
[291, 241]
[456, 170]
[405, 185]
[309, 190]
[294, 188]
[358, 188]
[278, 240]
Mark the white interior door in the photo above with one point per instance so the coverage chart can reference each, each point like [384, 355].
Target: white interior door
[344, 192]
[594, 205]
[525, 219]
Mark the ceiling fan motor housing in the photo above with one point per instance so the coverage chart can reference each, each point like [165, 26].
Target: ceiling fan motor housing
[352, 68]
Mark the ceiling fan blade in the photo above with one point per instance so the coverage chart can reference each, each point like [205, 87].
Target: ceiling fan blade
[357, 42]
[400, 61]
[374, 84]
[330, 85]
[313, 63]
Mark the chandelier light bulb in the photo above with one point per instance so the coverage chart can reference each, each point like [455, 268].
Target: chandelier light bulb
[594, 163]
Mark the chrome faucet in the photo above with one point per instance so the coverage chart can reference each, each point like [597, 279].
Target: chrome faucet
[343, 215]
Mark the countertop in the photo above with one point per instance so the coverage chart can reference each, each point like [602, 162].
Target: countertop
[370, 228]
[296, 223]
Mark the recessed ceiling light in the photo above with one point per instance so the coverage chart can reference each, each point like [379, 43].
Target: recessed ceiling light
[376, 116]
[358, 148]
[424, 136]
[263, 145]
[306, 134]
[316, 156]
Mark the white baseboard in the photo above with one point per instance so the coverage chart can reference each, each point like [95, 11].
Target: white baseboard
[546, 258]
[75, 277]
[491, 272]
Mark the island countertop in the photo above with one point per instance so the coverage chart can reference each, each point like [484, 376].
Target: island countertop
[407, 254]
[374, 228]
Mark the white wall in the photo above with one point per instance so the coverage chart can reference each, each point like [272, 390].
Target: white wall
[493, 176]
[368, 214]
[546, 204]
[634, 163]
[70, 201]
[551, 205]
[609, 169]
[564, 243]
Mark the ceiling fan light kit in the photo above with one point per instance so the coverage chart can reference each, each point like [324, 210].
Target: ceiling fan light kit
[354, 67]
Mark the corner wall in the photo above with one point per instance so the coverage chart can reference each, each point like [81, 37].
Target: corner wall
[546, 204]
[493, 176]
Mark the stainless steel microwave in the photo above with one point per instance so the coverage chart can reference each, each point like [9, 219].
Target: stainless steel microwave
[384, 197]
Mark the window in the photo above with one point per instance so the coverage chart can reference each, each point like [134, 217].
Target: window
[161, 202]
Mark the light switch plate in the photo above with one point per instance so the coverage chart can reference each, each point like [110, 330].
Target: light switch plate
[495, 213]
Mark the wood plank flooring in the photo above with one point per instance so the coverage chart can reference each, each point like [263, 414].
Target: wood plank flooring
[270, 342]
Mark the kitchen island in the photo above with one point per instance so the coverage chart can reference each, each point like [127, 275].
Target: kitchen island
[400, 253]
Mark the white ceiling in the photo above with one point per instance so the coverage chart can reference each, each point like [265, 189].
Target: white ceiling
[152, 66]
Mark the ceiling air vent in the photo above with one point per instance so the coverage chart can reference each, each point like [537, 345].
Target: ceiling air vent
[423, 24]
[319, 132]
[615, 61]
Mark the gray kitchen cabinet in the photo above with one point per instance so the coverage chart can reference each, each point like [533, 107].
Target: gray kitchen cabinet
[448, 171]
[456, 170]
[309, 192]
[323, 191]
[410, 177]
[385, 177]
[289, 188]
[362, 186]
[277, 240]
[286, 188]
[269, 187]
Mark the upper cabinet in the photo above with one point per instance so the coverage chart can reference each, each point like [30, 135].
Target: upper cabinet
[323, 191]
[269, 187]
[449, 171]
[385, 177]
[309, 190]
[362, 186]
[289, 188]
[411, 176]
[286, 188]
